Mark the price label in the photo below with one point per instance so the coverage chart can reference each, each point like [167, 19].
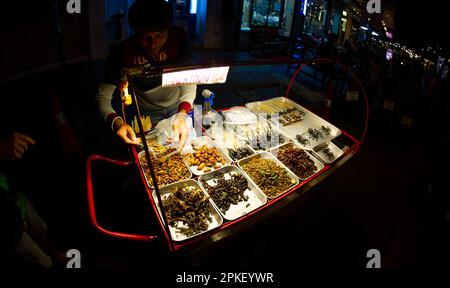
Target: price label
[352, 96]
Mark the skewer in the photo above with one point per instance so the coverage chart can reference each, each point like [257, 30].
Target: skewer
[149, 161]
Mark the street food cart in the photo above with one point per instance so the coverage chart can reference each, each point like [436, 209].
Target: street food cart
[234, 172]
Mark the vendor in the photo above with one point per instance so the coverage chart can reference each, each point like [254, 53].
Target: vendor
[154, 43]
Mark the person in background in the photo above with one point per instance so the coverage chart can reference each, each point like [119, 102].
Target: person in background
[25, 233]
[155, 43]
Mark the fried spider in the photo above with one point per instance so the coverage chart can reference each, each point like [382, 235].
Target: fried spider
[328, 153]
[325, 130]
[302, 140]
[314, 134]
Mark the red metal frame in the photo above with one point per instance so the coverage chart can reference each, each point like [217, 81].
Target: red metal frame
[175, 246]
[90, 196]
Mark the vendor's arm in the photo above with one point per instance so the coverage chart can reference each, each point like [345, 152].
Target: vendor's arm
[112, 76]
[186, 103]
[187, 97]
[112, 119]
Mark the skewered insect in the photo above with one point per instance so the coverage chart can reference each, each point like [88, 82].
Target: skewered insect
[263, 137]
[325, 130]
[302, 140]
[328, 153]
[314, 134]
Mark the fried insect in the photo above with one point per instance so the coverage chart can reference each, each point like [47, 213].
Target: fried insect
[227, 192]
[297, 160]
[325, 130]
[188, 206]
[205, 158]
[167, 170]
[271, 178]
[263, 138]
[239, 153]
[314, 134]
[330, 156]
[287, 114]
[302, 140]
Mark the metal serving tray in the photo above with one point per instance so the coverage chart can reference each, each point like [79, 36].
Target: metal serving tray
[256, 198]
[310, 120]
[317, 163]
[266, 155]
[320, 154]
[216, 219]
[204, 140]
[142, 153]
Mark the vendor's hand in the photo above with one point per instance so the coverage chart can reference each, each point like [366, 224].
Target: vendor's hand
[180, 129]
[14, 145]
[125, 132]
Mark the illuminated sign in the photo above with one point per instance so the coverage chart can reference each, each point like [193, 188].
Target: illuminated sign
[198, 76]
[303, 7]
[193, 9]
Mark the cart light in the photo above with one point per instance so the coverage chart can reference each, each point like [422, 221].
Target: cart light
[197, 76]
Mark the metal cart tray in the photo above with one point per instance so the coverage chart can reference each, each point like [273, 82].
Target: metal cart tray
[319, 152]
[148, 177]
[216, 218]
[266, 155]
[256, 198]
[317, 163]
[200, 141]
[310, 121]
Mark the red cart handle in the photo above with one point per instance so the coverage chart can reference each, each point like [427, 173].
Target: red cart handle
[90, 194]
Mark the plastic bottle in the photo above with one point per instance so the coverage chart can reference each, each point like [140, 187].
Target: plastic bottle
[208, 113]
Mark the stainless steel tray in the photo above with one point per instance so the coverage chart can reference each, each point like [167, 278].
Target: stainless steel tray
[310, 121]
[266, 155]
[317, 163]
[319, 152]
[204, 140]
[256, 198]
[216, 218]
[147, 178]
